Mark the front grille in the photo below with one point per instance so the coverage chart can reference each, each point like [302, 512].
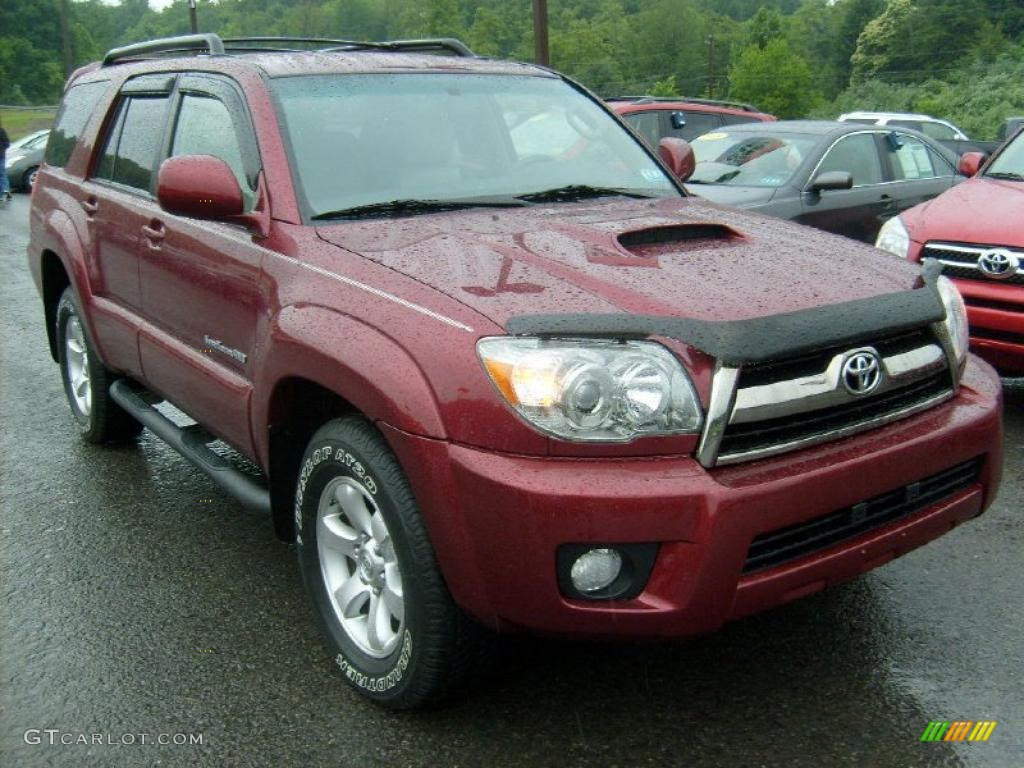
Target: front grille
[991, 334]
[751, 438]
[788, 404]
[781, 370]
[1002, 306]
[784, 545]
[960, 260]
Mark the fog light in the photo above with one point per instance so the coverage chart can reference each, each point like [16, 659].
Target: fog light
[596, 569]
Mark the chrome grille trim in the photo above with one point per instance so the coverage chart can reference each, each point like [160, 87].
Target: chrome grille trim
[914, 380]
[960, 260]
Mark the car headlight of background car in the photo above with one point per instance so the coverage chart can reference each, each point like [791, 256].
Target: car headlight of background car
[894, 238]
[593, 390]
[956, 317]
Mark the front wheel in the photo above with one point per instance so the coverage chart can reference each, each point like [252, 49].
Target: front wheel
[28, 180]
[371, 573]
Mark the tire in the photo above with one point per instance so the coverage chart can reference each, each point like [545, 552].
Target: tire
[364, 551]
[87, 381]
[28, 179]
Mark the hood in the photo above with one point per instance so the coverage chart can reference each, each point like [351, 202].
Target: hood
[738, 197]
[980, 210]
[675, 257]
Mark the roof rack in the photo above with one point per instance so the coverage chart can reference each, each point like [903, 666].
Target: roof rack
[213, 45]
[685, 100]
[201, 44]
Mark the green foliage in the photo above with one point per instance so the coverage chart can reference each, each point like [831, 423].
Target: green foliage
[775, 78]
[931, 55]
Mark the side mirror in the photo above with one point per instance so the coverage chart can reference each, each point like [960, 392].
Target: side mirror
[200, 187]
[831, 180]
[678, 156]
[970, 163]
[678, 120]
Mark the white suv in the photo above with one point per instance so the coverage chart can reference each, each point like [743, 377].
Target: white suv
[929, 126]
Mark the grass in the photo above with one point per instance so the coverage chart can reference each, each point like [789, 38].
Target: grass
[19, 122]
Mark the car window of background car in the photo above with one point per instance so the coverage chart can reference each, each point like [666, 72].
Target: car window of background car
[359, 140]
[205, 127]
[647, 124]
[697, 123]
[913, 160]
[141, 130]
[856, 155]
[939, 131]
[1011, 159]
[75, 111]
[749, 159]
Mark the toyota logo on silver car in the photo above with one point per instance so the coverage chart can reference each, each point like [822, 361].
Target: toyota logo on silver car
[862, 372]
[998, 264]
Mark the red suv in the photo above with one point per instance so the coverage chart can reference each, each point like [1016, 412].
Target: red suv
[975, 232]
[493, 378]
[655, 118]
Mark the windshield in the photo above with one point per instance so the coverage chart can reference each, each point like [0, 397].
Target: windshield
[749, 159]
[1010, 162]
[359, 140]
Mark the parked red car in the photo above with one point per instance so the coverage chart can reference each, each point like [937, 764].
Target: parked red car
[494, 379]
[976, 231]
[655, 118]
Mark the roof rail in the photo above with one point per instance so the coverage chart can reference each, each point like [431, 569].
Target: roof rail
[449, 44]
[685, 100]
[212, 44]
[207, 43]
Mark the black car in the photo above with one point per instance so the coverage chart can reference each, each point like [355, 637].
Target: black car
[842, 177]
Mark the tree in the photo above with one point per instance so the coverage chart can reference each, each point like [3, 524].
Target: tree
[775, 78]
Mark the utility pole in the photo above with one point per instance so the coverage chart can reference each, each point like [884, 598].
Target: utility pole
[540, 33]
[711, 66]
[64, 9]
[193, 22]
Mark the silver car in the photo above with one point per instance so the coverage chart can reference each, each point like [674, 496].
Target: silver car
[23, 159]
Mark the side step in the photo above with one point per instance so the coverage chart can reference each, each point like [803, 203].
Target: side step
[191, 442]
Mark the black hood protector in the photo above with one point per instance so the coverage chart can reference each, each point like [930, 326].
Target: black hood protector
[761, 339]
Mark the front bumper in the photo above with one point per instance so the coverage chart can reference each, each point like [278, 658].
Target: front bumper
[995, 314]
[496, 521]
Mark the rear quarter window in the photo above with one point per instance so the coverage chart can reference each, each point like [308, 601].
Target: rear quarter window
[79, 103]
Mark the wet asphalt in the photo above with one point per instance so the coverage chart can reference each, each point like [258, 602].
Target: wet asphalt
[137, 599]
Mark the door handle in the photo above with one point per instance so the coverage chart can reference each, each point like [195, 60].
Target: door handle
[154, 232]
[889, 202]
[90, 205]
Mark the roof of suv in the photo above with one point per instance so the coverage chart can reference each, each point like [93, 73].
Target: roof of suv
[625, 105]
[208, 52]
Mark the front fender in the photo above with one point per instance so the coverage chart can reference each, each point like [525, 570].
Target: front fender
[355, 361]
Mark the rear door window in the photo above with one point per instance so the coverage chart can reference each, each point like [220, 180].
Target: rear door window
[697, 124]
[79, 103]
[912, 160]
[133, 143]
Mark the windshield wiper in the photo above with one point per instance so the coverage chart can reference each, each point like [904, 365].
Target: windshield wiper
[578, 192]
[412, 207]
[1007, 175]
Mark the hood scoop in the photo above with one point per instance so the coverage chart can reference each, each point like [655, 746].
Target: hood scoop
[656, 241]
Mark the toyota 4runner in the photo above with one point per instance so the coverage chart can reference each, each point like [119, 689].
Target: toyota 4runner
[494, 377]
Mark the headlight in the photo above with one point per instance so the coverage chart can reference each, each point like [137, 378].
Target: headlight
[593, 390]
[894, 238]
[956, 318]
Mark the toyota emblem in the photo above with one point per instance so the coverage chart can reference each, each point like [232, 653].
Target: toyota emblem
[999, 264]
[862, 372]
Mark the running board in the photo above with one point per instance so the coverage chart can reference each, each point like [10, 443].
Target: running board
[191, 442]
